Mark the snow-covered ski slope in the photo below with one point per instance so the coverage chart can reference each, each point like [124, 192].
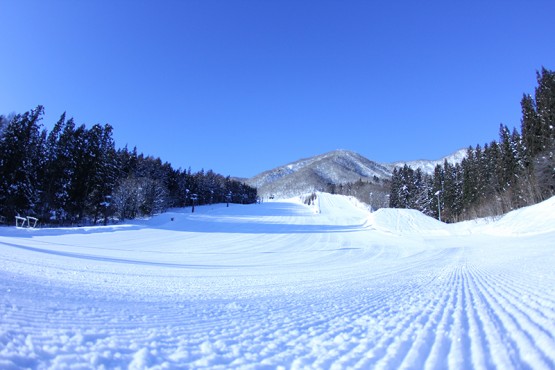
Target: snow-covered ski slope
[282, 284]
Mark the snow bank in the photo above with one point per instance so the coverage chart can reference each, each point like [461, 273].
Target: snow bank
[406, 221]
[536, 219]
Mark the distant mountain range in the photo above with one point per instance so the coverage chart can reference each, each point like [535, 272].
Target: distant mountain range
[429, 166]
[336, 167]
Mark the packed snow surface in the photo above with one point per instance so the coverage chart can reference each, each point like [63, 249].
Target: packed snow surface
[282, 284]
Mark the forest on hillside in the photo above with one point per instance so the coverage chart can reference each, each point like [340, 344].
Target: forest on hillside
[74, 175]
[516, 171]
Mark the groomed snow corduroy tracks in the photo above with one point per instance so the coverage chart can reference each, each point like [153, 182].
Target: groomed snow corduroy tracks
[281, 284]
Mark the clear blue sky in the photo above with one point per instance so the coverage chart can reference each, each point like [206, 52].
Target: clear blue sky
[244, 86]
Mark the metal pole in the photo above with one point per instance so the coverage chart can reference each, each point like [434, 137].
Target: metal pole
[194, 198]
[438, 204]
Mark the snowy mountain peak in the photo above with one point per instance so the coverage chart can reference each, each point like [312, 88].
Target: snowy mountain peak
[428, 166]
[315, 173]
[337, 167]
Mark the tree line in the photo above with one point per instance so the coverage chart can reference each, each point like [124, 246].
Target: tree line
[76, 175]
[515, 171]
[374, 192]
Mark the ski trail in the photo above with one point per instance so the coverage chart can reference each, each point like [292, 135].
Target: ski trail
[475, 331]
[536, 328]
[517, 332]
[459, 356]
[288, 288]
[430, 341]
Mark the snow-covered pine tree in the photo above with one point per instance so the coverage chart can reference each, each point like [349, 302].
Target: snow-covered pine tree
[21, 164]
[545, 105]
[58, 171]
[470, 181]
[394, 189]
[104, 171]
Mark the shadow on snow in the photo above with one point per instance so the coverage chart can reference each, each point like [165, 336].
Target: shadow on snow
[241, 219]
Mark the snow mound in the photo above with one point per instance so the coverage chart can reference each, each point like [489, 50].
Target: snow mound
[536, 219]
[402, 221]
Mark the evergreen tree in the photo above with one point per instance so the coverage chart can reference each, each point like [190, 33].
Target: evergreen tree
[481, 175]
[530, 126]
[79, 167]
[103, 171]
[60, 169]
[411, 189]
[469, 167]
[128, 162]
[407, 189]
[452, 192]
[544, 161]
[3, 123]
[394, 189]
[22, 160]
[545, 105]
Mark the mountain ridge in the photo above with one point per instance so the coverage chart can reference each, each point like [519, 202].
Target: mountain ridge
[337, 167]
[428, 166]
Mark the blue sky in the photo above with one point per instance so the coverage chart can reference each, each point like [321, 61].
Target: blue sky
[244, 86]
